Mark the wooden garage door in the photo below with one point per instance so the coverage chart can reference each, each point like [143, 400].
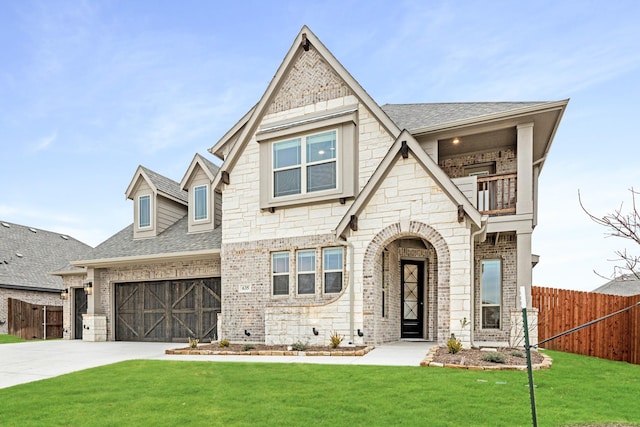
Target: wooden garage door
[167, 311]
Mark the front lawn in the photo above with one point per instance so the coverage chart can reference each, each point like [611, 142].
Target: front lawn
[576, 390]
[9, 339]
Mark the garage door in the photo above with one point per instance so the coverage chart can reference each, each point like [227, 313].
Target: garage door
[167, 311]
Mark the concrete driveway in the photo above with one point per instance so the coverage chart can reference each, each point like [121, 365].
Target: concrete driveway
[31, 361]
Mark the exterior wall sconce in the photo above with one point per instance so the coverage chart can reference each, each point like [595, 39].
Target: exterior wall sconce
[88, 288]
[360, 333]
[247, 333]
[315, 331]
[64, 294]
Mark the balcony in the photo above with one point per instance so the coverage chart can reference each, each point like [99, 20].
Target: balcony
[490, 194]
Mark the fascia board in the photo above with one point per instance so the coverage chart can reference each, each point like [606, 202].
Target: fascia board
[137, 259]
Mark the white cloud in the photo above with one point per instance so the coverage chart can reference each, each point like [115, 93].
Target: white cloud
[45, 142]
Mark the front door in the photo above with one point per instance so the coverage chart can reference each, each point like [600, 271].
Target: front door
[412, 299]
[80, 308]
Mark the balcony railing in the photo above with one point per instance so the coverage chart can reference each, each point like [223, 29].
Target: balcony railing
[496, 194]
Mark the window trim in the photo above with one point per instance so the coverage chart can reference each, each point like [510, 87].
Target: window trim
[344, 122]
[285, 273]
[499, 305]
[325, 270]
[306, 272]
[139, 222]
[206, 203]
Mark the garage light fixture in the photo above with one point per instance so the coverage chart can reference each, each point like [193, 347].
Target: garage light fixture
[88, 288]
[64, 294]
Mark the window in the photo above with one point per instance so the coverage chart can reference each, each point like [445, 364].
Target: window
[200, 203]
[491, 292]
[280, 272]
[144, 211]
[304, 165]
[306, 267]
[332, 267]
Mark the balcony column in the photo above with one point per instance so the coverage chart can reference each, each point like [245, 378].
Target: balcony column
[524, 201]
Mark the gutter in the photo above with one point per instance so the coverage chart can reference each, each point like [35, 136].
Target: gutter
[352, 293]
[105, 262]
[472, 306]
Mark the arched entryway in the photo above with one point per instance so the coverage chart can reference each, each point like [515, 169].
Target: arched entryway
[406, 284]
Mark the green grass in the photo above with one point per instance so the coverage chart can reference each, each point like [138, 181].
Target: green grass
[9, 339]
[576, 390]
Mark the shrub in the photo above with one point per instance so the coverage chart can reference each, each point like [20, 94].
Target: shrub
[453, 344]
[494, 357]
[248, 347]
[300, 346]
[224, 343]
[193, 343]
[335, 340]
[517, 353]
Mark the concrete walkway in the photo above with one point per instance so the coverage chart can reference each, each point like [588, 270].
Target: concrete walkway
[31, 361]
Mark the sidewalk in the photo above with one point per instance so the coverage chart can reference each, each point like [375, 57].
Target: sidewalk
[32, 361]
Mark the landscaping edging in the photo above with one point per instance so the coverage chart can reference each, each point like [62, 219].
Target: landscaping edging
[428, 361]
[189, 351]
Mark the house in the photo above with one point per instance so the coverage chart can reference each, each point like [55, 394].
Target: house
[623, 285]
[331, 213]
[27, 256]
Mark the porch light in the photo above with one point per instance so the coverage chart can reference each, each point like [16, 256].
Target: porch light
[64, 294]
[455, 141]
[315, 331]
[88, 288]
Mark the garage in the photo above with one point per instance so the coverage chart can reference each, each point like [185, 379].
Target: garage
[167, 311]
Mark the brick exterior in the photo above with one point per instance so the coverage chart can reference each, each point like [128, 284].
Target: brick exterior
[32, 297]
[505, 160]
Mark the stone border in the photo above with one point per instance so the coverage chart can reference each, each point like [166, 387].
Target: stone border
[428, 361]
[361, 352]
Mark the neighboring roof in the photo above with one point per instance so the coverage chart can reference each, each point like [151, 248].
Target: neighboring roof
[387, 163]
[304, 40]
[420, 116]
[174, 241]
[625, 285]
[28, 255]
[159, 183]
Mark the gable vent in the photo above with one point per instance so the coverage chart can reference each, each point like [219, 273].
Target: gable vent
[4, 224]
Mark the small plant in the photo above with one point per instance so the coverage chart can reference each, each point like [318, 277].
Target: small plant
[224, 343]
[248, 347]
[193, 343]
[494, 357]
[517, 353]
[300, 346]
[335, 340]
[453, 344]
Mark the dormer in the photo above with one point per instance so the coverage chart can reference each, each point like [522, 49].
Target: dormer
[158, 202]
[205, 204]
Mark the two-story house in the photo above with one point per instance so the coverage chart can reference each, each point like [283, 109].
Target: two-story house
[331, 213]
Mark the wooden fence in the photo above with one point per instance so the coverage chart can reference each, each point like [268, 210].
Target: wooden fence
[30, 321]
[615, 338]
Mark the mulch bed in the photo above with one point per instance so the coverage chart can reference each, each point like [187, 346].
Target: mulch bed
[473, 359]
[270, 350]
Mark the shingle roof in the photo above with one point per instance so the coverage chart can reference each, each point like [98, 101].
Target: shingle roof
[625, 285]
[174, 239]
[418, 116]
[212, 166]
[166, 185]
[28, 255]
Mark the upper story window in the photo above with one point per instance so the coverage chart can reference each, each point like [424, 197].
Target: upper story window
[200, 209]
[305, 164]
[491, 292]
[309, 159]
[144, 211]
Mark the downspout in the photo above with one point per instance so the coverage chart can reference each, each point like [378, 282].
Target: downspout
[482, 229]
[352, 293]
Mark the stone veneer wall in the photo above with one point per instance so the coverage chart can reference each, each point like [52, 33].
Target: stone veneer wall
[504, 249]
[248, 302]
[106, 277]
[32, 297]
[505, 159]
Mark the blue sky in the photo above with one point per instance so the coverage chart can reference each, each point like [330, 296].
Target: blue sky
[90, 90]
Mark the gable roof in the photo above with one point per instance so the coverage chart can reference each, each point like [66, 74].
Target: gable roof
[625, 285]
[303, 41]
[420, 116]
[159, 184]
[28, 255]
[427, 163]
[174, 242]
[209, 168]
